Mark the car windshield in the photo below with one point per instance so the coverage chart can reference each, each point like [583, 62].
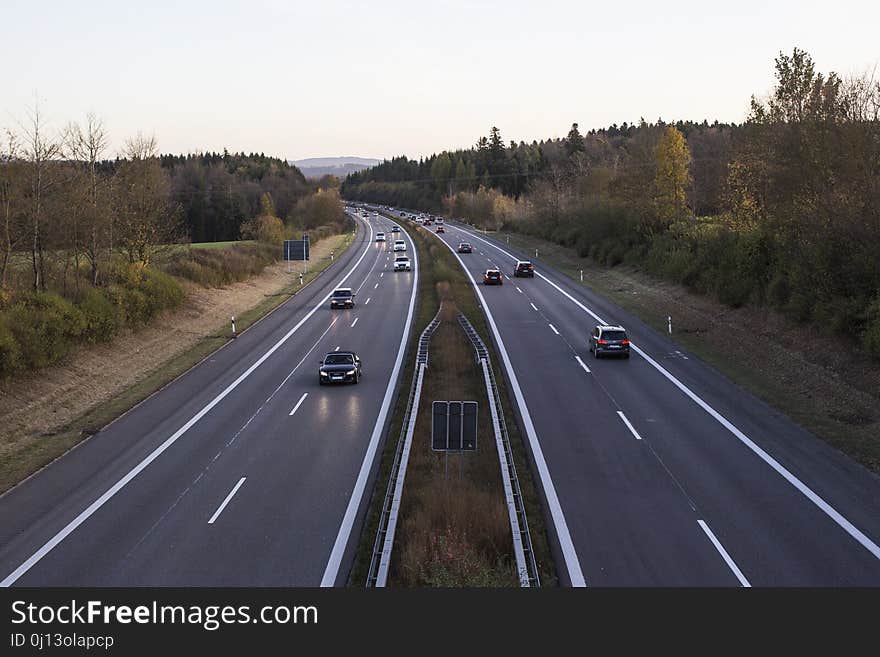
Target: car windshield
[401, 259]
[465, 245]
[525, 265]
[342, 293]
[493, 274]
[339, 359]
[613, 335]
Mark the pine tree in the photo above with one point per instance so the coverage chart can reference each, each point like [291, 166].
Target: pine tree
[574, 143]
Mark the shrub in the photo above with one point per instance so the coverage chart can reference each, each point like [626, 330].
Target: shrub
[160, 291]
[10, 353]
[779, 290]
[132, 303]
[102, 318]
[219, 267]
[871, 336]
[45, 325]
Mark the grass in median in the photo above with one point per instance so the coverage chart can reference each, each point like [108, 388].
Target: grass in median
[441, 277]
[454, 529]
[28, 456]
[817, 380]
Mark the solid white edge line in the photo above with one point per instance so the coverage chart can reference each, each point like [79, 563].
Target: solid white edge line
[807, 492]
[629, 426]
[299, 403]
[226, 501]
[84, 515]
[582, 364]
[331, 572]
[553, 328]
[575, 574]
[724, 555]
[354, 322]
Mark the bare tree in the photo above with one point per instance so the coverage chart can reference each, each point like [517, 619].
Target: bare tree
[10, 201]
[146, 216]
[87, 145]
[40, 152]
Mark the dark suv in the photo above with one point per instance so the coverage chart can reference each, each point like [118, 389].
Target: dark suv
[609, 340]
[340, 367]
[342, 297]
[524, 268]
[493, 277]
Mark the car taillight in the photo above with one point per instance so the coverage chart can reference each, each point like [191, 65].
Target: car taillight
[603, 341]
[624, 342]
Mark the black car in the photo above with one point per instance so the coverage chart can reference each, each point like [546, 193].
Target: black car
[524, 268]
[493, 277]
[464, 247]
[609, 340]
[340, 367]
[342, 297]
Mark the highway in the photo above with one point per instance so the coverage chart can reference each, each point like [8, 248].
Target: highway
[242, 472]
[657, 470]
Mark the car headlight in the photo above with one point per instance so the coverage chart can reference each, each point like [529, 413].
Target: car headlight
[323, 373]
[351, 372]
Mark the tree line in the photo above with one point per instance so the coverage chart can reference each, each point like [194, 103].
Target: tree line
[87, 242]
[781, 210]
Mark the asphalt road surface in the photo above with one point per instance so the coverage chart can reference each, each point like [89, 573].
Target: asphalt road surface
[242, 472]
[658, 470]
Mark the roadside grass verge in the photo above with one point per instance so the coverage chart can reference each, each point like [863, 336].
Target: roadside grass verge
[440, 277]
[819, 381]
[27, 455]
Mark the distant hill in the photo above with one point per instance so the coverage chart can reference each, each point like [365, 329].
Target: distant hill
[315, 167]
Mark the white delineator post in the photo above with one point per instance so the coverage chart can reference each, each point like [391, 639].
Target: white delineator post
[669, 321]
[233, 326]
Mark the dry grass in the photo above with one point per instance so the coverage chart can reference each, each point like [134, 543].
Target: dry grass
[43, 414]
[454, 529]
[822, 382]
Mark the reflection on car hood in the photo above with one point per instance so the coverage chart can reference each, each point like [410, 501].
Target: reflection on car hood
[337, 368]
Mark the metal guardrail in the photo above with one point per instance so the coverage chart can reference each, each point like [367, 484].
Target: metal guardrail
[377, 576]
[519, 526]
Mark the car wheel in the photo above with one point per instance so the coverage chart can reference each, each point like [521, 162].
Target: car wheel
[626, 355]
[596, 353]
[320, 381]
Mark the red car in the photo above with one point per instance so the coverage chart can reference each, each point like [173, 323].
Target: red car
[464, 247]
[493, 277]
[440, 229]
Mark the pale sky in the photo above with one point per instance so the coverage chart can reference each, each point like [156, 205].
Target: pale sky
[382, 78]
